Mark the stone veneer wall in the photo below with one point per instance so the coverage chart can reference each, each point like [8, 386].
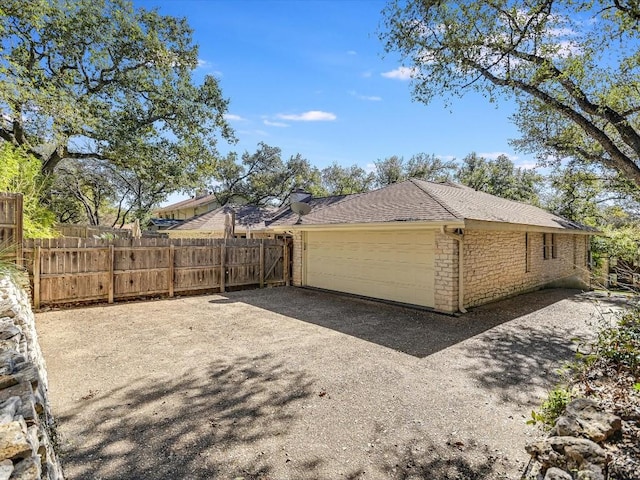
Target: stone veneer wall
[446, 273]
[495, 264]
[298, 259]
[26, 424]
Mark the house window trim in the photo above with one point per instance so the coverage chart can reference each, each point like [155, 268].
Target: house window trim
[549, 246]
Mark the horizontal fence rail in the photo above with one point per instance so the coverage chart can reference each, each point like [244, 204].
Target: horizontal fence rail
[75, 270]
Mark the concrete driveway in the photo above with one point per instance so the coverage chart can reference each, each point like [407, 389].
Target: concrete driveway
[297, 384]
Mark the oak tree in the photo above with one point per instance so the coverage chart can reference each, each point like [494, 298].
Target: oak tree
[572, 67]
[101, 80]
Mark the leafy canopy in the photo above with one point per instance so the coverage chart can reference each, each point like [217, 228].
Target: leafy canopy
[500, 177]
[263, 178]
[20, 173]
[572, 67]
[421, 165]
[100, 80]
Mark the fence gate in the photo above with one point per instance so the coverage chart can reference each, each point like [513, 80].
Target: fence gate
[11, 226]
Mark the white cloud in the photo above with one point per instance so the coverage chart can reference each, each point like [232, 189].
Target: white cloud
[233, 118]
[310, 116]
[253, 133]
[269, 123]
[527, 165]
[494, 155]
[352, 52]
[401, 73]
[207, 65]
[366, 74]
[568, 48]
[370, 168]
[370, 98]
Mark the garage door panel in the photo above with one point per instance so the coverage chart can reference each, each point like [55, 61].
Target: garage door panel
[388, 265]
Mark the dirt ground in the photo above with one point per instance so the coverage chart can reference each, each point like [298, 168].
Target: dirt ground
[290, 383]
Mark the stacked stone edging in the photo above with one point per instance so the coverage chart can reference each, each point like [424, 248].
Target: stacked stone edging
[26, 423]
[572, 451]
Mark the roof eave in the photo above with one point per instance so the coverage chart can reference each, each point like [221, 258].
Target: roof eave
[524, 227]
[404, 225]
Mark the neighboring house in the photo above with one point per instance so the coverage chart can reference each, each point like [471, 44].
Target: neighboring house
[161, 224]
[189, 208]
[442, 246]
[248, 218]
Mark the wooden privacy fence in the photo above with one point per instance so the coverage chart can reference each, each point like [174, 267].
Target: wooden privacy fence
[88, 231]
[11, 226]
[69, 270]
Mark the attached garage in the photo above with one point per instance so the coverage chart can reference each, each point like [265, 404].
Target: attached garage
[437, 245]
[387, 264]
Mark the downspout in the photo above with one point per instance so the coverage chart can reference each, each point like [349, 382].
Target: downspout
[460, 239]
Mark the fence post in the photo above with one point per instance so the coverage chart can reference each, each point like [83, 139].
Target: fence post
[111, 273]
[18, 235]
[262, 263]
[223, 255]
[36, 277]
[285, 262]
[172, 256]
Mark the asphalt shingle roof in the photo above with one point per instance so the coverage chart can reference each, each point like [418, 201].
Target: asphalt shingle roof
[470, 204]
[247, 216]
[285, 216]
[418, 200]
[400, 202]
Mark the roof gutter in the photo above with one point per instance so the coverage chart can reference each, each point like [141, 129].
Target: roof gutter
[393, 225]
[460, 239]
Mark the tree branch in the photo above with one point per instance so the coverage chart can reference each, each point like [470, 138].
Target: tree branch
[618, 159]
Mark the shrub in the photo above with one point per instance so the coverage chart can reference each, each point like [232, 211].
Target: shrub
[20, 173]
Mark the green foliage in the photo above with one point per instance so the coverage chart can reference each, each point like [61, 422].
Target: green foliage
[500, 177]
[337, 180]
[102, 81]
[613, 357]
[620, 242]
[572, 68]
[20, 173]
[552, 408]
[617, 347]
[264, 178]
[422, 166]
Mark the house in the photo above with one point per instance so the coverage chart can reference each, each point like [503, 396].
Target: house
[437, 245]
[189, 208]
[161, 224]
[248, 218]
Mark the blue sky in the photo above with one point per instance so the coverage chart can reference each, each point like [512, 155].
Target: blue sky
[311, 77]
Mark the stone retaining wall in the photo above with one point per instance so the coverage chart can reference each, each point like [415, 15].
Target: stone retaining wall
[26, 424]
[574, 449]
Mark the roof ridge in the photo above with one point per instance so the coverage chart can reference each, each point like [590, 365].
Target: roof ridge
[285, 208]
[442, 203]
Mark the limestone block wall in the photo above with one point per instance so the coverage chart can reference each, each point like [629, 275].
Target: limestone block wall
[298, 258]
[446, 274]
[26, 423]
[498, 264]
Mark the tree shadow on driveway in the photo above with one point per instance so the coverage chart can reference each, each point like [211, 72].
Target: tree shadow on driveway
[183, 427]
[412, 331]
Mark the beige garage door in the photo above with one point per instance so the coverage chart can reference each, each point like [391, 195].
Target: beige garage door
[394, 266]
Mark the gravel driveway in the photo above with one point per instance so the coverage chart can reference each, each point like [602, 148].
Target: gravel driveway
[289, 383]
